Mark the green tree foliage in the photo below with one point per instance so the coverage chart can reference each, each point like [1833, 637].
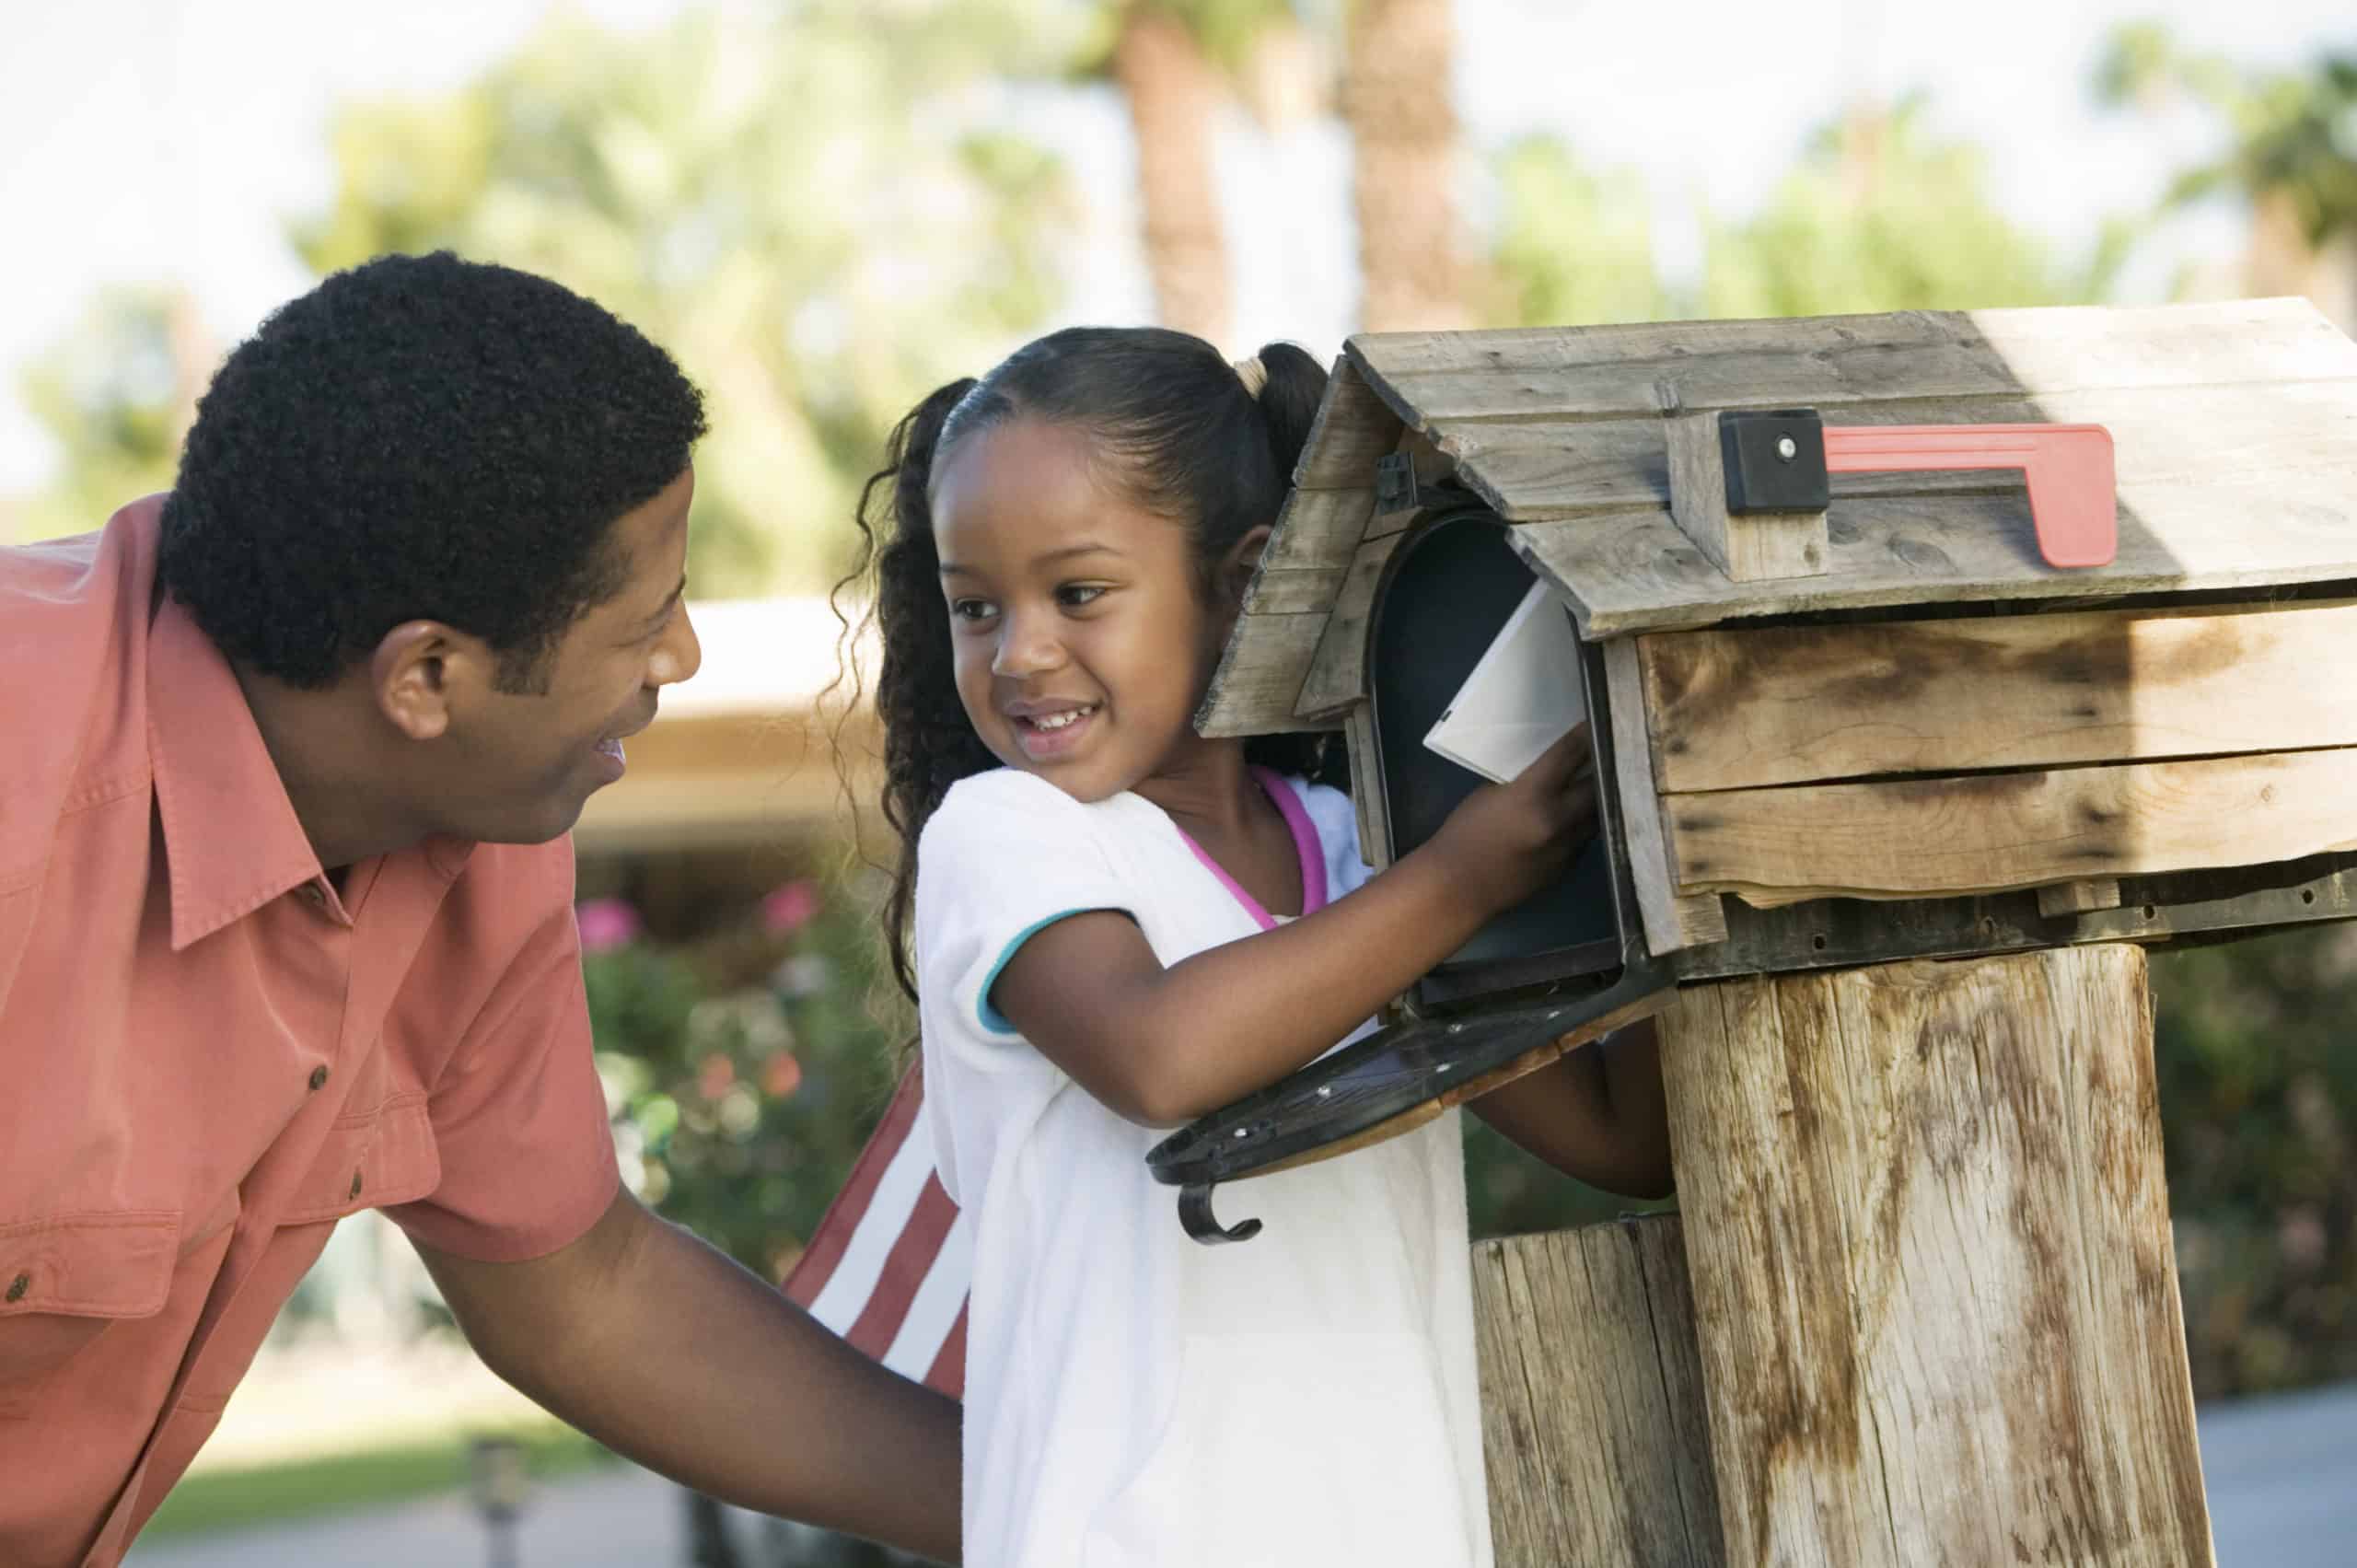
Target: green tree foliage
[2258, 1110]
[2288, 157]
[1228, 32]
[2292, 135]
[1878, 214]
[746, 1066]
[115, 392]
[1881, 214]
[809, 205]
[1572, 247]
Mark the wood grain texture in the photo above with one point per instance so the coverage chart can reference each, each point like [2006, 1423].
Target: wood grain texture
[2235, 426]
[1353, 427]
[1313, 540]
[1253, 689]
[1592, 1410]
[1293, 591]
[1433, 466]
[1831, 362]
[2162, 435]
[1747, 548]
[1934, 1283]
[1985, 832]
[1637, 572]
[1337, 675]
[1734, 709]
[1319, 529]
[1366, 772]
[1671, 920]
[2079, 898]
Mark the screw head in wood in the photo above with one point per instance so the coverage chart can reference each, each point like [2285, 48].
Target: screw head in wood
[1787, 448]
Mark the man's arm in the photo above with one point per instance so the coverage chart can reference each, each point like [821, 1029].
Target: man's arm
[668, 1351]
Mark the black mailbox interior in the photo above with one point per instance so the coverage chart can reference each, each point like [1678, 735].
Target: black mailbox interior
[1448, 590]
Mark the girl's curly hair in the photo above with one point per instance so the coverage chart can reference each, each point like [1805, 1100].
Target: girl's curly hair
[1196, 445]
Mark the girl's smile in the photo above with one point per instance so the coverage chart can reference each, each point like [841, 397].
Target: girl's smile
[1049, 731]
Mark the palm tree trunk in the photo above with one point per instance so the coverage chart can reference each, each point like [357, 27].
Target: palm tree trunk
[1172, 93]
[1397, 57]
[2281, 260]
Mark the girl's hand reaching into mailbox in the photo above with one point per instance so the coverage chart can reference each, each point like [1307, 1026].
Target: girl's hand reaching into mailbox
[1507, 842]
[1092, 995]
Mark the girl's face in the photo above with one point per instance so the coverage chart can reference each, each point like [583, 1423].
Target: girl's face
[1081, 638]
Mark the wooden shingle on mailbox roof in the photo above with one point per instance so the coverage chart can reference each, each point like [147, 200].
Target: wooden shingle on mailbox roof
[1936, 712]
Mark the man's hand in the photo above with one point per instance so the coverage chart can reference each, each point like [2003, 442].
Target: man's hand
[665, 1351]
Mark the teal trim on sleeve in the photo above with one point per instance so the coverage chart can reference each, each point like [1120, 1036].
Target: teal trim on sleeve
[991, 1017]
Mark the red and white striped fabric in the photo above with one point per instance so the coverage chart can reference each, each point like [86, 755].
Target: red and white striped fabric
[893, 1258]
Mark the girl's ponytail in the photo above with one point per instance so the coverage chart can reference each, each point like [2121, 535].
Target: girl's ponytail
[907, 458]
[1293, 386]
[928, 744]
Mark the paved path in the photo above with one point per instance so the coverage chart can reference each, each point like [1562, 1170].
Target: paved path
[622, 1517]
[2281, 1474]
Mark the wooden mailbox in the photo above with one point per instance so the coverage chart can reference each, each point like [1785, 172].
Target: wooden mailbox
[1895, 802]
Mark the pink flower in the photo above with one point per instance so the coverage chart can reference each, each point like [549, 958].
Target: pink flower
[605, 924]
[781, 1075]
[789, 907]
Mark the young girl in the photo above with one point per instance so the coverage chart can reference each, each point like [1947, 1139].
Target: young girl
[1119, 925]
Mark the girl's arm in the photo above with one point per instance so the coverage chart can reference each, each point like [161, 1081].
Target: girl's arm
[1597, 1114]
[1162, 1046]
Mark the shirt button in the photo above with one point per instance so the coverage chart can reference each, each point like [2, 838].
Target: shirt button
[319, 1079]
[355, 1184]
[312, 896]
[18, 1286]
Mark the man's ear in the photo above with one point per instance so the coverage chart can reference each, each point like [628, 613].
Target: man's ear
[1236, 568]
[421, 670]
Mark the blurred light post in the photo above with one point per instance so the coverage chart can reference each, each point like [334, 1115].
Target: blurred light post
[496, 1484]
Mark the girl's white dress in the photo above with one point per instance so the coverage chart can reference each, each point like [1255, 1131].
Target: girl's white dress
[1132, 1397]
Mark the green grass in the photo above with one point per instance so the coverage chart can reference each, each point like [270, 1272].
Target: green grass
[368, 1478]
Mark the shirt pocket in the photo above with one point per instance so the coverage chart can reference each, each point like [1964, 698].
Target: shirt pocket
[369, 1161]
[1292, 1449]
[66, 1278]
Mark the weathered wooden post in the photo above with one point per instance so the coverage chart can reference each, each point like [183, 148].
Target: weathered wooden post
[1598, 1444]
[1891, 799]
[1934, 1289]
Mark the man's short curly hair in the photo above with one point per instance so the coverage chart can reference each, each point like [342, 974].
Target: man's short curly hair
[419, 437]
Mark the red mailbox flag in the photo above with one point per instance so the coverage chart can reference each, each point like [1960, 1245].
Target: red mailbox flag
[2072, 499]
[889, 1266]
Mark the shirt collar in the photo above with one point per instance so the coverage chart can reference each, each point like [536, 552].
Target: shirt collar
[231, 839]
[232, 842]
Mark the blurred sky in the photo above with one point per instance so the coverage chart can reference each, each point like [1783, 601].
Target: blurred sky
[149, 139]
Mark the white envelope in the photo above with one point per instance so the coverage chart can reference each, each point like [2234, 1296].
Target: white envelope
[1522, 697]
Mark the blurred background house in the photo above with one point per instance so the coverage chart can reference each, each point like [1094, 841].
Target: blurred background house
[824, 208]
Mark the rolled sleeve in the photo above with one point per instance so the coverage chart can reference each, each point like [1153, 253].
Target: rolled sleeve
[519, 1116]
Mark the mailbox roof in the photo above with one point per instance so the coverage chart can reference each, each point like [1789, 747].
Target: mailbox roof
[2234, 427]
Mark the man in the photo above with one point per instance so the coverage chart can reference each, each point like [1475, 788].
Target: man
[286, 929]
